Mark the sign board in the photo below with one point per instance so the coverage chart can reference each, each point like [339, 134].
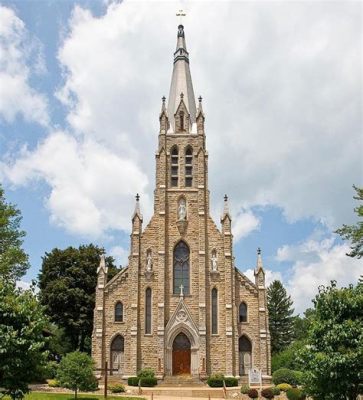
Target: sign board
[254, 376]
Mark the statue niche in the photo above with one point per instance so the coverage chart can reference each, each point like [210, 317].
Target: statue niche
[182, 221]
[149, 265]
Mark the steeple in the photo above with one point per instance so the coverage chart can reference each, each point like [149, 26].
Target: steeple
[181, 81]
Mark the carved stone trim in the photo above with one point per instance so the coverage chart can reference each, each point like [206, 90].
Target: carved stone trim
[182, 226]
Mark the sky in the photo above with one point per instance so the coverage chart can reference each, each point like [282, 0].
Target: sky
[80, 94]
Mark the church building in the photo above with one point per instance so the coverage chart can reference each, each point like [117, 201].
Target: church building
[181, 306]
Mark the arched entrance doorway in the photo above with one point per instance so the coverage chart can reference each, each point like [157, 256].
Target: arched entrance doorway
[245, 355]
[181, 354]
[117, 355]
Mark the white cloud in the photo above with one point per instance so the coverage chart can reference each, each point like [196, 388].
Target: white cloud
[120, 255]
[19, 57]
[23, 285]
[317, 262]
[243, 224]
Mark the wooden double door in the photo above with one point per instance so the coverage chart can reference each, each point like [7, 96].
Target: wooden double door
[181, 355]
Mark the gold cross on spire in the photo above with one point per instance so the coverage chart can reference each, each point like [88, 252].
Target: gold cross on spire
[181, 14]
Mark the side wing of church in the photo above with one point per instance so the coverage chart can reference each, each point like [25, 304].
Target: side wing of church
[181, 306]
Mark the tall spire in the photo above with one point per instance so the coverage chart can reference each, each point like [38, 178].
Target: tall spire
[181, 81]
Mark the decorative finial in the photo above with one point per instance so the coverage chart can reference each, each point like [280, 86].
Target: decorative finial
[258, 251]
[225, 197]
[180, 14]
[200, 98]
[163, 99]
[181, 291]
[182, 95]
[137, 197]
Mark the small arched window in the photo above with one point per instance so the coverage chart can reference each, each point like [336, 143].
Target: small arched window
[214, 311]
[174, 169]
[188, 167]
[119, 312]
[181, 268]
[148, 311]
[243, 312]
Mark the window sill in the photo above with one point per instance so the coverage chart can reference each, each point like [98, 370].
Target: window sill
[244, 323]
[118, 322]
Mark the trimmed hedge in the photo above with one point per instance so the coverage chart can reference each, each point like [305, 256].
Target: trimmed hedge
[116, 388]
[133, 381]
[231, 382]
[284, 375]
[253, 394]
[146, 373]
[267, 393]
[217, 381]
[148, 381]
[284, 386]
[295, 394]
[275, 390]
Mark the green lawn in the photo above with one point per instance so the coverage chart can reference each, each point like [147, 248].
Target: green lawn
[59, 396]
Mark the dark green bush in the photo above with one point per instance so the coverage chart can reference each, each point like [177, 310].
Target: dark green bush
[267, 393]
[295, 394]
[146, 373]
[275, 390]
[245, 389]
[230, 382]
[133, 381]
[216, 380]
[284, 375]
[253, 394]
[148, 381]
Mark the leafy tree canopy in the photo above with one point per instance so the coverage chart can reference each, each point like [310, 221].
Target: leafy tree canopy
[281, 320]
[354, 233]
[13, 259]
[67, 283]
[75, 372]
[333, 358]
[21, 338]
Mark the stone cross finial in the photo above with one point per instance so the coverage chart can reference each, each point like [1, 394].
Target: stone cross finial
[225, 197]
[181, 291]
[163, 99]
[181, 14]
[258, 250]
[200, 98]
[137, 197]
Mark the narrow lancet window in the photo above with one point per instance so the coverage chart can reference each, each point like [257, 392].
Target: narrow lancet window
[181, 116]
[243, 312]
[148, 311]
[214, 311]
[188, 167]
[119, 312]
[174, 167]
[181, 268]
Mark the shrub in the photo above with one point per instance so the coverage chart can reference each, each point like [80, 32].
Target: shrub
[275, 390]
[245, 389]
[253, 394]
[116, 388]
[295, 394]
[133, 381]
[284, 386]
[216, 380]
[267, 393]
[284, 375]
[51, 369]
[148, 381]
[146, 373]
[53, 383]
[230, 381]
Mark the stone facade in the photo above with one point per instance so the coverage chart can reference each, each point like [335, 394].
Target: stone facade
[155, 308]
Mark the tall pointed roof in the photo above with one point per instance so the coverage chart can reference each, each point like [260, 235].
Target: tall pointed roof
[181, 81]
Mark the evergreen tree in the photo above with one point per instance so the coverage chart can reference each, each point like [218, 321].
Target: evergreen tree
[280, 316]
[67, 283]
[13, 259]
[354, 233]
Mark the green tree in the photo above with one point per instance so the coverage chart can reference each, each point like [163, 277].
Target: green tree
[67, 283]
[281, 320]
[13, 259]
[302, 324]
[354, 233]
[22, 341]
[333, 359]
[75, 372]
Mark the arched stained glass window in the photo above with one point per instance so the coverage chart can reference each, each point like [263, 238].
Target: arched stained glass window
[243, 312]
[174, 168]
[119, 312]
[214, 311]
[189, 167]
[148, 311]
[181, 268]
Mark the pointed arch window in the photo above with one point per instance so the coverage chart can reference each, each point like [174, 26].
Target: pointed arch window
[174, 168]
[188, 167]
[243, 312]
[181, 268]
[119, 312]
[214, 311]
[148, 311]
[245, 355]
[117, 354]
